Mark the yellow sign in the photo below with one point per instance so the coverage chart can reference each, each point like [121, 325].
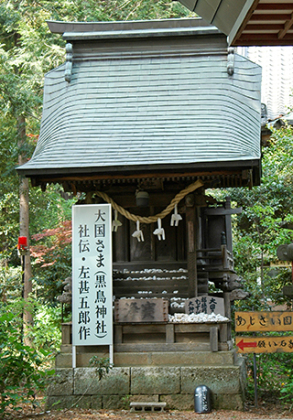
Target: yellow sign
[264, 344]
[263, 321]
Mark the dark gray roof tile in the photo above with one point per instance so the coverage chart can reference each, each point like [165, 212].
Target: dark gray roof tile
[149, 111]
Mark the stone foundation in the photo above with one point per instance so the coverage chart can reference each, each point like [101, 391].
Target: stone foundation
[174, 385]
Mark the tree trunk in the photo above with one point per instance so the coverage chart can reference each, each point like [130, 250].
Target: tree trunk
[24, 231]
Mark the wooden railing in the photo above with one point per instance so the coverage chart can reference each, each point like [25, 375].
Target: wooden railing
[215, 258]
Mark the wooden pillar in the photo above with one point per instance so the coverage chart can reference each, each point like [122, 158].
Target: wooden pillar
[228, 225]
[191, 245]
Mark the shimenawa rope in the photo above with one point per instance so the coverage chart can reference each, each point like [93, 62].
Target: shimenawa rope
[151, 219]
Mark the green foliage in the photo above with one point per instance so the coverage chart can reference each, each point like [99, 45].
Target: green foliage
[258, 230]
[287, 385]
[102, 365]
[274, 376]
[46, 332]
[257, 233]
[27, 51]
[22, 369]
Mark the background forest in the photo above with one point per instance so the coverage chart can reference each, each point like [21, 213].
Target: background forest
[27, 51]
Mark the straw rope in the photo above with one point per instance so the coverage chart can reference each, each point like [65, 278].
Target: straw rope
[151, 219]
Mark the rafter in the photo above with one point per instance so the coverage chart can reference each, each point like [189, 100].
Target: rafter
[287, 27]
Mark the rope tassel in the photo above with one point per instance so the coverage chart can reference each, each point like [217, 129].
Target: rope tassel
[138, 233]
[175, 218]
[160, 232]
[116, 223]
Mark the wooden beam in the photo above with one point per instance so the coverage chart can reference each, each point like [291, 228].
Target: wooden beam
[263, 40]
[275, 6]
[88, 177]
[263, 27]
[287, 26]
[246, 20]
[270, 17]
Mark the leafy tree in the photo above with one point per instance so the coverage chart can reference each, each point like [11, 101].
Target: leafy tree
[27, 51]
[258, 230]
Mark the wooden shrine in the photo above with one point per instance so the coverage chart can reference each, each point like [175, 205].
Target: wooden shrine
[148, 115]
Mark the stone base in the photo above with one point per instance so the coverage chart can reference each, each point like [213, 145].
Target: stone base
[175, 385]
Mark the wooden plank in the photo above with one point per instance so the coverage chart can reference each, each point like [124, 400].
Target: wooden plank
[282, 344]
[221, 211]
[118, 333]
[227, 304]
[275, 6]
[162, 265]
[270, 17]
[170, 336]
[264, 40]
[121, 241]
[264, 321]
[144, 329]
[162, 347]
[224, 328]
[191, 250]
[214, 338]
[194, 328]
[264, 27]
[141, 310]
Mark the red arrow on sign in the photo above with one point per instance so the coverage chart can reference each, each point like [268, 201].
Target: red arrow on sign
[242, 345]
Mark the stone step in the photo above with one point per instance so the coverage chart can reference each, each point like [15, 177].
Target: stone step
[147, 406]
[220, 358]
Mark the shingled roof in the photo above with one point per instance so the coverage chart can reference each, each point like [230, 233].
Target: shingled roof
[147, 95]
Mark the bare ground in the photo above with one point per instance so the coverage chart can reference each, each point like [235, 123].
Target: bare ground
[265, 410]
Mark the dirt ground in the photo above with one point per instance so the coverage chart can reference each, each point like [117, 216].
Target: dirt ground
[265, 410]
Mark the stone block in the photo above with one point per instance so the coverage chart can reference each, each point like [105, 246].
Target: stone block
[144, 398]
[155, 380]
[115, 402]
[89, 401]
[63, 361]
[74, 401]
[60, 402]
[227, 402]
[178, 401]
[192, 358]
[132, 359]
[61, 383]
[221, 380]
[116, 382]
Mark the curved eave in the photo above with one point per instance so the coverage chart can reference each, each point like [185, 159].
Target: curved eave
[221, 174]
[248, 22]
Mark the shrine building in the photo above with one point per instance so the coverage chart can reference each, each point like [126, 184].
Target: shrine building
[151, 116]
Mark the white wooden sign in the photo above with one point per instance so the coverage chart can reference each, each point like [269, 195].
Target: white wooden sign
[92, 315]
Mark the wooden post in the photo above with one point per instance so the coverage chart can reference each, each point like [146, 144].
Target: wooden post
[228, 225]
[214, 338]
[191, 246]
[170, 336]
